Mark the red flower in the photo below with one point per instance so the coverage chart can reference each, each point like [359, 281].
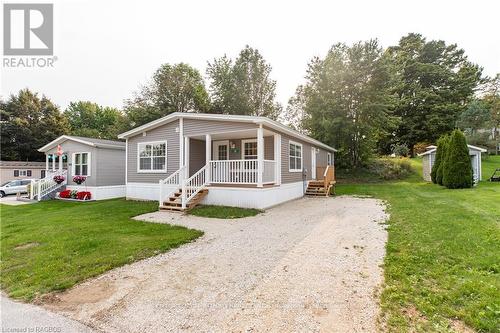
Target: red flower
[65, 194]
[83, 195]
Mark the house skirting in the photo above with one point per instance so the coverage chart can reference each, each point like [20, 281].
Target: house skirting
[101, 192]
[260, 198]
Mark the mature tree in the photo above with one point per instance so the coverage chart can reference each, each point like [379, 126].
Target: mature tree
[457, 169]
[492, 99]
[173, 88]
[347, 101]
[29, 122]
[243, 86]
[476, 116]
[436, 81]
[92, 120]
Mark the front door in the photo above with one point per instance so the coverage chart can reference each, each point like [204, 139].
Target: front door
[221, 150]
[313, 163]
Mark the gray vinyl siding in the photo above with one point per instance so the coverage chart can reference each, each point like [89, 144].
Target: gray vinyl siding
[321, 159]
[71, 147]
[110, 167]
[197, 157]
[286, 175]
[167, 133]
[202, 127]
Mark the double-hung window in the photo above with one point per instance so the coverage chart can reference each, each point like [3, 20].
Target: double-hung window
[81, 164]
[249, 149]
[152, 157]
[295, 156]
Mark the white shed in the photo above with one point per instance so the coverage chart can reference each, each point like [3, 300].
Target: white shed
[429, 157]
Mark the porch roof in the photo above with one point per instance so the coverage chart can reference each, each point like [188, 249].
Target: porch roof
[224, 117]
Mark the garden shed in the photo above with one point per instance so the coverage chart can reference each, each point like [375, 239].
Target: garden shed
[429, 157]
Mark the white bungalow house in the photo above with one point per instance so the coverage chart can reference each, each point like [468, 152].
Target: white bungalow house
[429, 157]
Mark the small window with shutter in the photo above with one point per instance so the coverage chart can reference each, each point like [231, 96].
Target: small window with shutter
[28, 173]
[16, 173]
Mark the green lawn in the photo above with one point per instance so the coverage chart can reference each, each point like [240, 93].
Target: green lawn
[54, 245]
[223, 212]
[443, 253]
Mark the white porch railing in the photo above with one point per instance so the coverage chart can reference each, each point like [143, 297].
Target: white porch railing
[193, 185]
[167, 184]
[241, 171]
[42, 187]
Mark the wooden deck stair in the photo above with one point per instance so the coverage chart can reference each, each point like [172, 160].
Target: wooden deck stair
[173, 202]
[323, 187]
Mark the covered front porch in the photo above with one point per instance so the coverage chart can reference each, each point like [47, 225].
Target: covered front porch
[248, 158]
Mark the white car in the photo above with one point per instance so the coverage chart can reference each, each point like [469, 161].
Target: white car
[14, 186]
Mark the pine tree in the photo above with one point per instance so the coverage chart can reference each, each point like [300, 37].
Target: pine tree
[439, 158]
[445, 140]
[457, 171]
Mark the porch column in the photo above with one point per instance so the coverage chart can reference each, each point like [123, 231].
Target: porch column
[47, 162]
[181, 142]
[208, 155]
[277, 159]
[186, 155]
[260, 155]
[53, 162]
[60, 162]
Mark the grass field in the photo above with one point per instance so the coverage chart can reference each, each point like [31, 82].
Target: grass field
[443, 253]
[223, 212]
[54, 245]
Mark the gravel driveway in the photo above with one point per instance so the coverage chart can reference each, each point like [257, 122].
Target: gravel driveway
[308, 265]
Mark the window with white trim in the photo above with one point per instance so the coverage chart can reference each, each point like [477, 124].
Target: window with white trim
[81, 165]
[152, 156]
[329, 158]
[249, 149]
[295, 156]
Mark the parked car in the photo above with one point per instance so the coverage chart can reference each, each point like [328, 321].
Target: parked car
[14, 186]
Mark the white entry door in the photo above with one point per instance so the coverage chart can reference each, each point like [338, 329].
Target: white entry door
[221, 150]
[313, 163]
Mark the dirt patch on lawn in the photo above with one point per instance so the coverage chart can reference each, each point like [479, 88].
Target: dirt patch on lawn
[26, 246]
[308, 265]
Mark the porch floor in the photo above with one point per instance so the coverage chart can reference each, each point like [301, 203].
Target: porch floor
[241, 185]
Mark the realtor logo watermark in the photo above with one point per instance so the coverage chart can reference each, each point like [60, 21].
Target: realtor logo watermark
[28, 35]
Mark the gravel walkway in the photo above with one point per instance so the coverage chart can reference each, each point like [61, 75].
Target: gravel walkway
[309, 265]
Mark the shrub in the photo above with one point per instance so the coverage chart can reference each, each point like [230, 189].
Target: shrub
[400, 149]
[390, 168]
[444, 141]
[439, 158]
[457, 170]
[420, 147]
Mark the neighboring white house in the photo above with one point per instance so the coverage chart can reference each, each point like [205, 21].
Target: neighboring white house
[429, 157]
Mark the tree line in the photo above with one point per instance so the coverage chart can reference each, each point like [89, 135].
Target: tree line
[362, 99]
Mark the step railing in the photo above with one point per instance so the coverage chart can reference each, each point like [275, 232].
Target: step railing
[166, 185]
[41, 187]
[193, 185]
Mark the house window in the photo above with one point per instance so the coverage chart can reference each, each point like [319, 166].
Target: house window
[81, 164]
[249, 149]
[329, 158]
[42, 173]
[295, 154]
[22, 173]
[152, 157]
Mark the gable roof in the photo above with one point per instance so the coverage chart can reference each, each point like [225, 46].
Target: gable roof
[30, 164]
[432, 149]
[224, 117]
[93, 142]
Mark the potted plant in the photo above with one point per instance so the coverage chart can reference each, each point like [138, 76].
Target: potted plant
[59, 179]
[79, 179]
